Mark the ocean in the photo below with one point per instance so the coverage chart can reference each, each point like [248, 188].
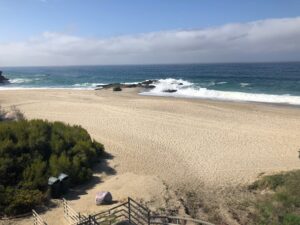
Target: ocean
[255, 82]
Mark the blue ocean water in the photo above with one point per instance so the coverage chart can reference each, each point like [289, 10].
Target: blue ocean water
[262, 82]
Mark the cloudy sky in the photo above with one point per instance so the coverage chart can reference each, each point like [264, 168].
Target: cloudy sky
[70, 32]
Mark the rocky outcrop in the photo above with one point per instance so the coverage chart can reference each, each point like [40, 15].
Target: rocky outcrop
[3, 80]
[117, 88]
[170, 90]
[148, 84]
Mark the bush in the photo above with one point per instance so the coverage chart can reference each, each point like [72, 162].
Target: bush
[282, 204]
[31, 151]
[19, 201]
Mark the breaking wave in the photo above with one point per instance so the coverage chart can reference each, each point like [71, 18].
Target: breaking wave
[244, 84]
[87, 85]
[20, 80]
[23, 80]
[182, 88]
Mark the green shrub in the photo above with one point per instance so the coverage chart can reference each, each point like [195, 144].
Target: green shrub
[282, 204]
[291, 219]
[19, 201]
[31, 151]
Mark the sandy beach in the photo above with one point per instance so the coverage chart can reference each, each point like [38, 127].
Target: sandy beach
[163, 144]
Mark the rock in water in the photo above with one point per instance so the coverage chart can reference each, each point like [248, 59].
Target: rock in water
[103, 197]
[118, 88]
[170, 90]
[148, 84]
[3, 80]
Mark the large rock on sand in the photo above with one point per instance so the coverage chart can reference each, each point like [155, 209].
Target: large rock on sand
[3, 80]
[103, 197]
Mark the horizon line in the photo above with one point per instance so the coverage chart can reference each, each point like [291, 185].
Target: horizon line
[156, 64]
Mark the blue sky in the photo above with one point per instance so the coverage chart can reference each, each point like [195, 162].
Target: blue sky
[102, 18]
[139, 31]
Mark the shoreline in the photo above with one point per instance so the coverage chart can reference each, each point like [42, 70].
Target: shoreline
[138, 92]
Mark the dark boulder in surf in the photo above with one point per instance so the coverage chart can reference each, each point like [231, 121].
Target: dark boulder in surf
[170, 90]
[3, 80]
[117, 88]
[107, 86]
[148, 84]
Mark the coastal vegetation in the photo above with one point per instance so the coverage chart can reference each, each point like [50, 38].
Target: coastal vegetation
[279, 201]
[33, 150]
[271, 200]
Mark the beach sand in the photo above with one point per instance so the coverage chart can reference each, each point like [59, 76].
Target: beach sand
[160, 145]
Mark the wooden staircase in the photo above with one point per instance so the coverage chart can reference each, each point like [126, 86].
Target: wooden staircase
[128, 213]
[132, 213]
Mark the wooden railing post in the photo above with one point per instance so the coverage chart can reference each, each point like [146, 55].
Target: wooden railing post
[129, 211]
[71, 215]
[149, 217]
[37, 220]
[109, 218]
[34, 218]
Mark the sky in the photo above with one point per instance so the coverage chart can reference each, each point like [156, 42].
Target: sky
[95, 32]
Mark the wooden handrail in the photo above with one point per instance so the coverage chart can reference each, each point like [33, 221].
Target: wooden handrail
[143, 212]
[118, 206]
[37, 220]
[141, 206]
[135, 213]
[198, 221]
[71, 215]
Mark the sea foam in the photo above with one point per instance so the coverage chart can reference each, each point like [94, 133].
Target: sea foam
[19, 80]
[187, 89]
[87, 85]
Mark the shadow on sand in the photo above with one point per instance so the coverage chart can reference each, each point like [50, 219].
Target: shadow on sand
[101, 168]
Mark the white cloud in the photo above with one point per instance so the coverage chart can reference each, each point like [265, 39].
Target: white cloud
[265, 40]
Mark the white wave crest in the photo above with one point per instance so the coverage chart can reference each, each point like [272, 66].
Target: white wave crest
[189, 90]
[244, 84]
[87, 85]
[20, 80]
[42, 88]
[163, 85]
